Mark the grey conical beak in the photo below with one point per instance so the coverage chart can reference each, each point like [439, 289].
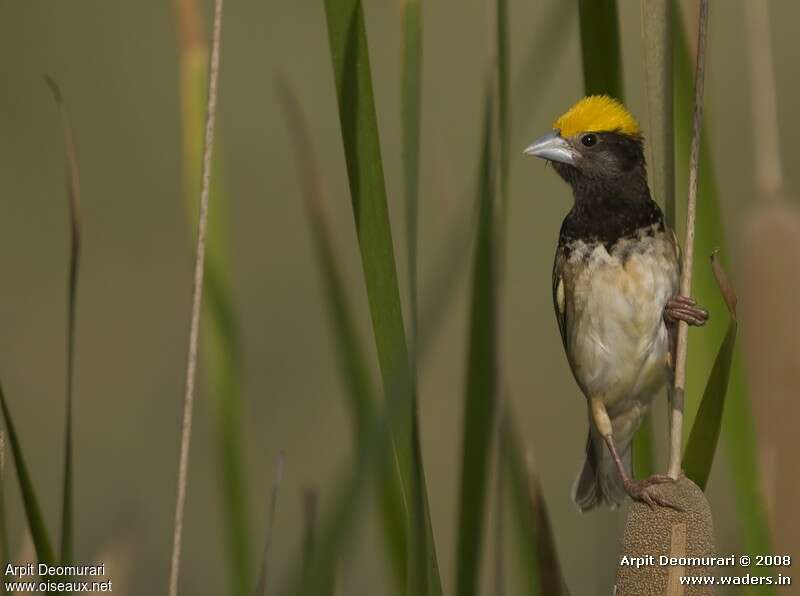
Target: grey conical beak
[552, 147]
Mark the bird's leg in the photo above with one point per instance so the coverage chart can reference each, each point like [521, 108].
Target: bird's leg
[641, 490]
[683, 308]
[638, 490]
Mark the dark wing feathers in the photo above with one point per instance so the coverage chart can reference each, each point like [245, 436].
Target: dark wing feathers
[559, 302]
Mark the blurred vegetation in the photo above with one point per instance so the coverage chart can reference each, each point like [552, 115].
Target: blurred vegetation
[710, 237]
[430, 543]
[221, 347]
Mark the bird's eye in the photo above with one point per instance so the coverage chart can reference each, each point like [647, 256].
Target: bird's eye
[589, 140]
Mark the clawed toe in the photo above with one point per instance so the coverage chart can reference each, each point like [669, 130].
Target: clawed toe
[684, 300]
[683, 308]
[643, 491]
[658, 479]
[659, 500]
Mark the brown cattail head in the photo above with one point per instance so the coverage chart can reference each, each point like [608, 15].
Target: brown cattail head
[772, 348]
[664, 532]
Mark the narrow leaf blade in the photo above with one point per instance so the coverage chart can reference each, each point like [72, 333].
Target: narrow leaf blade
[411, 97]
[503, 101]
[541, 60]
[5, 554]
[357, 116]
[41, 540]
[481, 382]
[313, 576]
[352, 355]
[74, 201]
[702, 444]
[365, 172]
[657, 37]
[537, 554]
[600, 48]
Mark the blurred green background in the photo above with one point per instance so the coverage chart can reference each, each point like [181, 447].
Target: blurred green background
[117, 64]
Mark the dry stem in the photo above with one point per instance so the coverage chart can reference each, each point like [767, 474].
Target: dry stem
[676, 427]
[197, 297]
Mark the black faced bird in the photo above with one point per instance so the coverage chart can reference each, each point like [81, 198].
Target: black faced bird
[615, 290]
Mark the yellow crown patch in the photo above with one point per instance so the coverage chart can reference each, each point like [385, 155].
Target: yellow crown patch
[597, 113]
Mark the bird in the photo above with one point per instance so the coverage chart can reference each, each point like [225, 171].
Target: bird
[615, 291]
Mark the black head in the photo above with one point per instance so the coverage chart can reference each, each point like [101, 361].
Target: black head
[608, 176]
[602, 165]
[602, 157]
[597, 147]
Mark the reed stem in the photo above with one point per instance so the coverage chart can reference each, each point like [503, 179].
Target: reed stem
[677, 405]
[197, 299]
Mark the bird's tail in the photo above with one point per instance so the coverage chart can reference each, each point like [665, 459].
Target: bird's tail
[599, 482]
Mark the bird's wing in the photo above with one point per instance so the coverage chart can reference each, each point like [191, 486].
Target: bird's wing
[559, 298]
[677, 246]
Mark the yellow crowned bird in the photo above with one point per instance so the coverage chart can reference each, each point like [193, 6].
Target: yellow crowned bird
[615, 285]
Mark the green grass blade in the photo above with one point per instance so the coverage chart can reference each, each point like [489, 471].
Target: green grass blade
[5, 553]
[602, 74]
[350, 57]
[503, 101]
[352, 355]
[537, 554]
[41, 540]
[221, 349]
[313, 576]
[482, 365]
[600, 48]
[411, 93]
[358, 120]
[444, 280]
[657, 23]
[541, 60]
[498, 555]
[450, 267]
[338, 525]
[481, 381]
[737, 428]
[702, 444]
[74, 200]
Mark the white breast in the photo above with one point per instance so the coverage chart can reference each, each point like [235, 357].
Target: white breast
[616, 337]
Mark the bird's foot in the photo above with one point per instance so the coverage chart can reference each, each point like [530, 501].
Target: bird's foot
[683, 308]
[643, 491]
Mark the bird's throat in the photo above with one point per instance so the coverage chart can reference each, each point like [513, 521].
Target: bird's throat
[607, 210]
